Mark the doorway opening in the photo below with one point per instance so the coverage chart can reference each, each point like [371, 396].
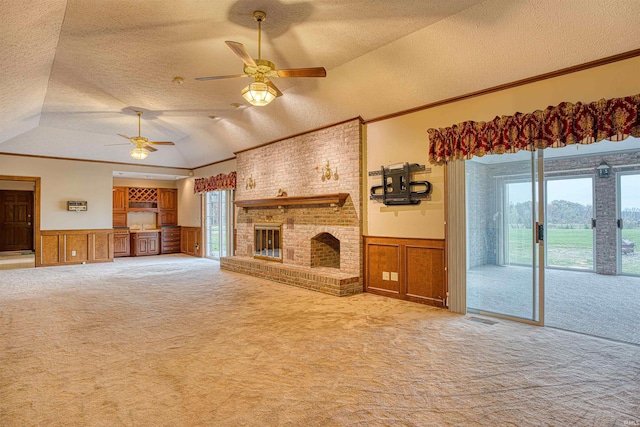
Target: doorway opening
[19, 221]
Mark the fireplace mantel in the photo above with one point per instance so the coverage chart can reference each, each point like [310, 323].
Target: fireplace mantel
[334, 199]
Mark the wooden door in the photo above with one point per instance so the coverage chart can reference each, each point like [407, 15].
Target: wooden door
[16, 220]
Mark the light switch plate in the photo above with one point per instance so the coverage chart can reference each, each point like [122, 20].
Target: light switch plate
[385, 275]
[73, 253]
[394, 276]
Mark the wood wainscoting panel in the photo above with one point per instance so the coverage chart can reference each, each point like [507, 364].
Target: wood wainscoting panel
[59, 246]
[191, 241]
[383, 259]
[425, 274]
[103, 247]
[76, 248]
[408, 269]
[50, 249]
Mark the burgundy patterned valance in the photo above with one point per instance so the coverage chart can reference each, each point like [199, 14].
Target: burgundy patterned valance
[613, 119]
[215, 183]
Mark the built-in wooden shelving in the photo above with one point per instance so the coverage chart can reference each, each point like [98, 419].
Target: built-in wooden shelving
[334, 199]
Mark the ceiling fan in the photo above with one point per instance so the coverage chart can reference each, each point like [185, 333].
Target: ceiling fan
[262, 91]
[143, 145]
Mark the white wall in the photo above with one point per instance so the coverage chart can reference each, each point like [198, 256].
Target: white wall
[190, 204]
[63, 180]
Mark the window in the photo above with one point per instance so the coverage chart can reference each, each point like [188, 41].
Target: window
[219, 223]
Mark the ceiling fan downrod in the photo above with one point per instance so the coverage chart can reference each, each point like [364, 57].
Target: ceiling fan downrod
[259, 16]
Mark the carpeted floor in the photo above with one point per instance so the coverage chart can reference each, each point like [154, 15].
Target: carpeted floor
[173, 341]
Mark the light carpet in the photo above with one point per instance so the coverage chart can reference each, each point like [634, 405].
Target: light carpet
[173, 341]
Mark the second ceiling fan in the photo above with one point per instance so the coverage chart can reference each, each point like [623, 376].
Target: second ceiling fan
[143, 145]
[262, 91]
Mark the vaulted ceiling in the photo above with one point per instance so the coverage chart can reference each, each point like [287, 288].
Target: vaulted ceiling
[74, 71]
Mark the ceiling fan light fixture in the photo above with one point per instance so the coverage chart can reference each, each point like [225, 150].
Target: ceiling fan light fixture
[139, 153]
[259, 94]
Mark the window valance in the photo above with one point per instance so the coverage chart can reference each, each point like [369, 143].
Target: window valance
[613, 119]
[215, 183]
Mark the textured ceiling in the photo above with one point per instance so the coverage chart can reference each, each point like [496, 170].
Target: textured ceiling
[73, 70]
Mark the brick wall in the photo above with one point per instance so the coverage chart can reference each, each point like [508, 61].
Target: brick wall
[325, 251]
[481, 207]
[295, 165]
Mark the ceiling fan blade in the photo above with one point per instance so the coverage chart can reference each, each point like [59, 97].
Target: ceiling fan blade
[109, 145]
[230, 76]
[159, 143]
[124, 136]
[148, 148]
[303, 72]
[274, 87]
[241, 52]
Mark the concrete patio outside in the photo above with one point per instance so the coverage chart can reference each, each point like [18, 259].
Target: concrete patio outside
[586, 302]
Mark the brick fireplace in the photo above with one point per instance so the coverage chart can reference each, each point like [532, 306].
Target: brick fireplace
[320, 218]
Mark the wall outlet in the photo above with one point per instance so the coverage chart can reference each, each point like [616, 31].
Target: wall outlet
[385, 275]
[394, 276]
[73, 253]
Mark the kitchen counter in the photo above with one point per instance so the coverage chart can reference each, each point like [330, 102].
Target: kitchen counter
[156, 230]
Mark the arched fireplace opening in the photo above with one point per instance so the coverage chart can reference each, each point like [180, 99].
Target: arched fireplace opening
[325, 251]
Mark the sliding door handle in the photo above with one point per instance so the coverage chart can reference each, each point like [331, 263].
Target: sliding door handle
[593, 223]
[539, 232]
[620, 223]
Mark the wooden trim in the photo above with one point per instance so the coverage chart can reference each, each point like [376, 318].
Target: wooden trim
[301, 133]
[521, 82]
[215, 163]
[37, 156]
[316, 199]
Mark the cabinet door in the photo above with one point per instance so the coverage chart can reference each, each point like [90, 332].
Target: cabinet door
[119, 219]
[168, 198]
[121, 244]
[153, 245]
[167, 218]
[143, 245]
[119, 199]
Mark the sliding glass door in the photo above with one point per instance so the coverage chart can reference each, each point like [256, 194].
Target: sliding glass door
[569, 222]
[502, 246]
[218, 223]
[628, 223]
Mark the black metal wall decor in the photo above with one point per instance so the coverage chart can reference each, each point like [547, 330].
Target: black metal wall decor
[397, 187]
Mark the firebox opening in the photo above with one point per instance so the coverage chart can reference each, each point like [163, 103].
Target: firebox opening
[325, 251]
[268, 241]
